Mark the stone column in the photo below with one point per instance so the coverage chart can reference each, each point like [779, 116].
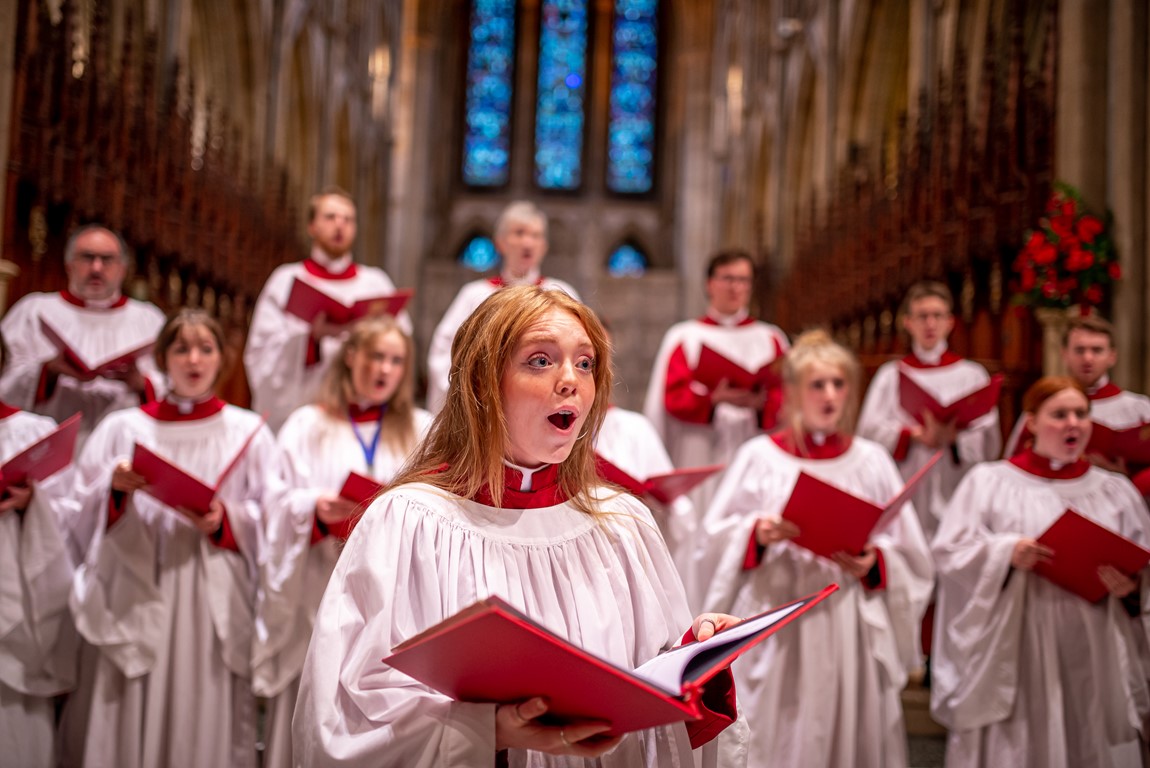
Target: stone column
[1081, 130]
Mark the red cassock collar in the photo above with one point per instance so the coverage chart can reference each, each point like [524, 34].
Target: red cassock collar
[75, 300]
[834, 446]
[7, 410]
[1109, 389]
[165, 410]
[947, 358]
[1031, 462]
[369, 414]
[499, 282]
[708, 320]
[315, 269]
[545, 492]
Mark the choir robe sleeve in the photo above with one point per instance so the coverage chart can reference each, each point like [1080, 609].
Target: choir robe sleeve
[439, 351]
[22, 370]
[882, 419]
[276, 353]
[974, 671]
[981, 440]
[38, 645]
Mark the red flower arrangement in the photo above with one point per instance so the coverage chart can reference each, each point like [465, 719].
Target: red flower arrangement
[1068, 259]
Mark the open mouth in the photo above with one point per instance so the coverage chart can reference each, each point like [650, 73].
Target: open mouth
[562, 419]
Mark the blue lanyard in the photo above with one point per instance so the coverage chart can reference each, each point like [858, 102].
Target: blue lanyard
[369, 449]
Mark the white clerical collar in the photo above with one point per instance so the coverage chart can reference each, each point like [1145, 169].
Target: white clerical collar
[186, 405]
[1103, 380]
[730, 321]
[335, 266]
[531, 278]
[929, 356]
[527, 474]
[818, 437]
[107, 303]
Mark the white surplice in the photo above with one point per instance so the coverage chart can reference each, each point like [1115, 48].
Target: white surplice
[96, 334]
[1025, 673]
[38, 644]
[715, 438]
[825, 690]
[279, 372]
[470, 296]
[168, 614]
[883, 420]
[629, 441]
[420, 555]
[317, 453]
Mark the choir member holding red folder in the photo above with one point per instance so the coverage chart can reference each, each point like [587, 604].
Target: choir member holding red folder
[706, 410]
[826, 693]
[1089, 352]
[38, 643]
[501, 499]
[365, 422]
[913, 436]
[166, 596]
[285, 357]
[95, 323]
[1026, 672]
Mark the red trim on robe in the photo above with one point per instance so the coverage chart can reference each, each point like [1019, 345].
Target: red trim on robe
[315, 269]
[372, 413]
[76, 301]
[948, 358]
[7, 410]
[1141, 481]
[1031, 462]
[499, 282]
[314, 354]
[748, 320]
[833, 446]
[902, 447]
[46, 386]
[149, 393]
[1109, 389]
[163, 410]
[224, 537]
[679, 397]
[755, 551]
[545, 492]
[717, 704]
[341, 530]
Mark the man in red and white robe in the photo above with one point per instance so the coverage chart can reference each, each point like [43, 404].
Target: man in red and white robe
[703, 424]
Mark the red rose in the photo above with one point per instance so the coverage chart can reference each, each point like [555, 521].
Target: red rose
[1088, 228]
[1049, 290]
[1028, 279]
[1036, 240]
[1045, 254]
[1115, 271]
[1093, 294]
[1087, 259]
[1063, 227]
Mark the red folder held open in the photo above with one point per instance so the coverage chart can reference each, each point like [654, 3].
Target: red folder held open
[176, 487]
[1081, 545]
[306, 302]
[492, 652]
[1132, 444]
[664, 487]
[714, 367]
[832, 520]
[43, 458]
[359, 488]
[914, 400]
[117, 362]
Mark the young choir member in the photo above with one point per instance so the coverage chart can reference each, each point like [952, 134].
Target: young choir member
[38, 644]
[1089, 353]
[927, 317]
[826, 692]
[97, 321]
[165, 599]
[501, 498]
[704, 425]
[285, 357]
[521, 240]
[364, 420]
[1025, 672]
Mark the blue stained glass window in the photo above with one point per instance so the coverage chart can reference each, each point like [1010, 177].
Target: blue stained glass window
[490, 87]
[631, 120]
[627, 261]
[561, 94]
[479, 254]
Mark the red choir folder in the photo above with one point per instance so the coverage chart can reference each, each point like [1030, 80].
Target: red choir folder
[174, 486]
[832, 520]
[307, 302]
[491, 652]
[43, 458]
[713, 368]
[914, 400]
[359, 488]
[1132, 444]
[100, 368]
[1081, 545]
[664, 487]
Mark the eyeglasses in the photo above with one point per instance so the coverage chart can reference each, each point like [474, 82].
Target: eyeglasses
[922, 317]
[90, 258]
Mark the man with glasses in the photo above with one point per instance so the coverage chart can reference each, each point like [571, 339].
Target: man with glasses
[927, 317]
[83, 349]
[702, 412]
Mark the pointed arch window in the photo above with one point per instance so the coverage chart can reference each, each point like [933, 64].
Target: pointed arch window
[489, 93]
[479, 254]
[628, 260]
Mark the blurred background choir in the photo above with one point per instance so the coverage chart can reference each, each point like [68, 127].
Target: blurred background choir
[137, 623]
